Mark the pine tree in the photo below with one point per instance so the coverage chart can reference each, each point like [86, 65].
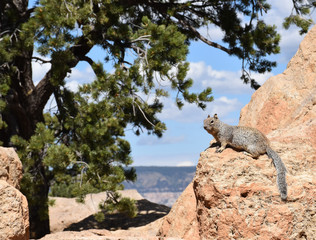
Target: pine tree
[81, 144]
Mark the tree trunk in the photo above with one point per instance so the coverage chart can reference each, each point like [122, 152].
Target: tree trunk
[25, 103]
[37, 195]
[24, 109]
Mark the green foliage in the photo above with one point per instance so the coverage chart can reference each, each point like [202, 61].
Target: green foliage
[299, 21]
[100, 217]
[62, 190]
[300, 16]
[51, 202]
[116, 203]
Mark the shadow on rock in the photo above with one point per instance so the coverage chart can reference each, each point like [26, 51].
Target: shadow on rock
[147, 213]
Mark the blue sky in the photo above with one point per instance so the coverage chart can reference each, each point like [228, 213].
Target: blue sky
[185, 137]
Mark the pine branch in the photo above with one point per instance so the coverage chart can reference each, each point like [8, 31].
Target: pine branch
[199, 36]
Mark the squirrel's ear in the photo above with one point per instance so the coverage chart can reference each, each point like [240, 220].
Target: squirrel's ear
[215, 116]
[208, 116]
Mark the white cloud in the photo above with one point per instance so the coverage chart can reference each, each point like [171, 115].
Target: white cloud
[154, 140]
[78, 77]
[223, 106]
[73, 85]
[222, 82]
[283, 7]
[185, 164]
[85, 75]
[212, 33]
[39, 70]
[191, 113]
[196, 70]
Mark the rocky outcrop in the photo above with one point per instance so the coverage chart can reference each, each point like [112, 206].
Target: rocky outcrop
[14, 215]
[287, 101]
[10, 167]
[183, 210]
[236, 197]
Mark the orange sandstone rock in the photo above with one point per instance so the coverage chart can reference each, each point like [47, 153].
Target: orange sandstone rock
[236, 196]
[14, 214]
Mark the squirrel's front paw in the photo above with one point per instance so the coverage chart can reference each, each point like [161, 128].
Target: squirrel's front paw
[219, 150]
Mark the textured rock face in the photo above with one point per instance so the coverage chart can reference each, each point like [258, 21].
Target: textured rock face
[10, 167]
[14, 221]
[14, 215]
[183, 210]
[236, 197]
[288, 99]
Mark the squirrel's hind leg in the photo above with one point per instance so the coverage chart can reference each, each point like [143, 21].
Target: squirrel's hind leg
[251, 155]
[252, 151]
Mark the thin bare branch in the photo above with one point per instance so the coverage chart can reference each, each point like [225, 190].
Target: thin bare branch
[141, 53]
[42, 60]
[261, 7]
[202, 38]
[142, 38]
[144, 115]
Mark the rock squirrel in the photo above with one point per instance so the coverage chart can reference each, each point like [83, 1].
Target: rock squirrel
[250, 140]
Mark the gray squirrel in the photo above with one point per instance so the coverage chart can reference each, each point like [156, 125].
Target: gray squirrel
[250, 140]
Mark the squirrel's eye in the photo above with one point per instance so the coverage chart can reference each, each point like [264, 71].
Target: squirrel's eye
[212, 121]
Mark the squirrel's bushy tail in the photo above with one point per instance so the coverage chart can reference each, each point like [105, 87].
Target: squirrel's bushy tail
[281, 172]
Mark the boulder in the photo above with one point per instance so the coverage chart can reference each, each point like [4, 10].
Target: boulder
[14, 220]
[236, 196]
[184, 210]
[10, 167]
